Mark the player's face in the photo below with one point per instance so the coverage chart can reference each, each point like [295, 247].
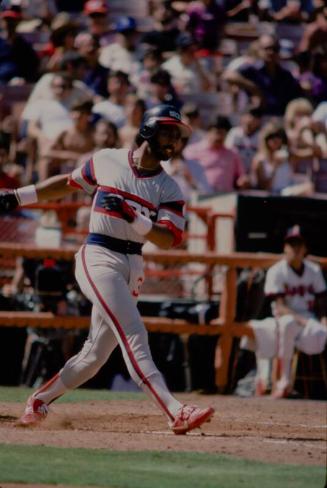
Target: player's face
[216, 137]
[295, 252]
[167, 142]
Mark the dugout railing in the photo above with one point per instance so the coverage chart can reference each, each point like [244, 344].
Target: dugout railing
[225, 325]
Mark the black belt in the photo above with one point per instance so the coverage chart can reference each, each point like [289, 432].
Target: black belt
[114, 244]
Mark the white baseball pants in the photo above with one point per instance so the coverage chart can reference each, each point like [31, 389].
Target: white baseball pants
[104, 277]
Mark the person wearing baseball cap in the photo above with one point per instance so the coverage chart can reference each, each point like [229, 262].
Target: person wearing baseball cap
[13, 12]
[122, 54]
[297, 291]
[97, 14]
[18, 58]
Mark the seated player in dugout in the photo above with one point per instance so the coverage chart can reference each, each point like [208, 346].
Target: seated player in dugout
[134, 200]
[296, 289]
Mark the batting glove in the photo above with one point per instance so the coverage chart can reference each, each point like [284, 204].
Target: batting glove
[8, 201]
[118, 204]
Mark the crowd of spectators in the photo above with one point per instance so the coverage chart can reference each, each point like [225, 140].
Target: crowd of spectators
[249, 76]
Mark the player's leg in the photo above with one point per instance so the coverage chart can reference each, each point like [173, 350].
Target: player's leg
[265, 348]
[96, 350]
[288, 331]
[108, 290]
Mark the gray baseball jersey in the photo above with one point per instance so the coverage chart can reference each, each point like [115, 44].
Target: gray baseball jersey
[112, 171]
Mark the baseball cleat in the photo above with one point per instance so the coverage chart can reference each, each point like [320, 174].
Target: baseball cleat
[260, 388]
[35, 411]
[190, 417]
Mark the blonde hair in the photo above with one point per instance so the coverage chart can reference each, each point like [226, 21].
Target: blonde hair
[297, 106]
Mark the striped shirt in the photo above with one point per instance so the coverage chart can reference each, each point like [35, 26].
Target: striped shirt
[157, 196]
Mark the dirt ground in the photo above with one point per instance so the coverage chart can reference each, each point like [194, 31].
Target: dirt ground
[263, 429]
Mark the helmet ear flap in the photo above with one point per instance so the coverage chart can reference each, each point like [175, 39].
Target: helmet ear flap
[149, 129]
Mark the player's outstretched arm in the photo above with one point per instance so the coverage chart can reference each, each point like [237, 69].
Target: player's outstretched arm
[54, 188]
[49, 189]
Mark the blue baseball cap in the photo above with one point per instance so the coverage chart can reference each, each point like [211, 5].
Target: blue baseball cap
[125, 24]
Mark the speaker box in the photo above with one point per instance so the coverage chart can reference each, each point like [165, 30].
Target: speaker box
[262, 222]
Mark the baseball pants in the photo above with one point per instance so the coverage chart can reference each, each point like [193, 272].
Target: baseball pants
[105, 277]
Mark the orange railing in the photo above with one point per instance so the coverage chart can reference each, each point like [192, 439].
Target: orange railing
[225, 326]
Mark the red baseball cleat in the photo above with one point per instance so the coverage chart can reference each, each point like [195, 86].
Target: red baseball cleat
[35, 411]
[190, 417]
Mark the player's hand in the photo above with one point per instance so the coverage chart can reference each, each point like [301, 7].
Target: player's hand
[116, 203]
[8, 201]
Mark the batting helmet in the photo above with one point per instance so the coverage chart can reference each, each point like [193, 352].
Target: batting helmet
[162, 114]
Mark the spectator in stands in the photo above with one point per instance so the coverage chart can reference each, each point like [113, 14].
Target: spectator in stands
[162, 90]
[72, 143]
[315, 33]
[271, 167]
[192, 117]
[304, 73]
[96, 75]
[96, 12]
[152, 60]
[245, 138]
[113, 108]
[177, 167]
[320, 115]
[122, 55]
[297, 291]
[286, 11]
[17, 57]
[240, 10]
[165, 30]
[105, 135]
[9, 177]
[212, 164]
[319, 69]
[62, 38]
[74, 65]
[266, 81]
[189, 77]
[46, 119]
[302, 133]
[42, 9]
[135, 108]
[205, 22]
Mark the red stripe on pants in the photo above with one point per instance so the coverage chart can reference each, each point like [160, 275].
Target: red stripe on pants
[122, 335]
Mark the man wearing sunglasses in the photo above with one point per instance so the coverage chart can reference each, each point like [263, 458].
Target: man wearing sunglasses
[268, 83]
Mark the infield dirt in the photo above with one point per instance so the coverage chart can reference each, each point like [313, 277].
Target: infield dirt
[262, 429]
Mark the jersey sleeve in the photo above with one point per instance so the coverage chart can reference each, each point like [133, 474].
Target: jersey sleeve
[171, 212]
[84, 177]
[274, 284]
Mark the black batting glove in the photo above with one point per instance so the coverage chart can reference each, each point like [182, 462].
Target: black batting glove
[8, 201]
[115, 203]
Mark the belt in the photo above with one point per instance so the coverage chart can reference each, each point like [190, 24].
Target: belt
[114, 244]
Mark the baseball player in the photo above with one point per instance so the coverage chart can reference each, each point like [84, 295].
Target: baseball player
[133, 200]
[294, 285]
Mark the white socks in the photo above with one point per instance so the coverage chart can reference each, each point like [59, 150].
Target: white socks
[53, 389]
